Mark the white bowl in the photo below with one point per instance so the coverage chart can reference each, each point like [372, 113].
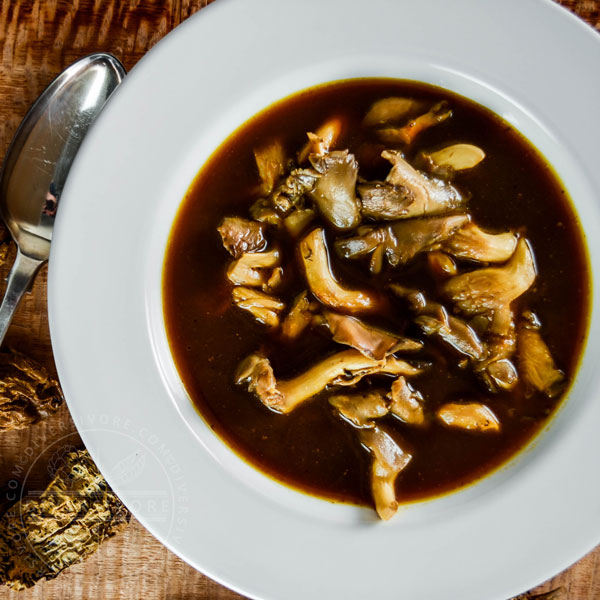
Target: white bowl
[535, 65]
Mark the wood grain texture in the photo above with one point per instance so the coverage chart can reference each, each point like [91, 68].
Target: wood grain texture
[38, 38]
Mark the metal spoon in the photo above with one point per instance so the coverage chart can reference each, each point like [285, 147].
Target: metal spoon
[38, 161]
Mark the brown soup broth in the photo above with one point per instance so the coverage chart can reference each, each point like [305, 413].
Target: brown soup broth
[311, 448]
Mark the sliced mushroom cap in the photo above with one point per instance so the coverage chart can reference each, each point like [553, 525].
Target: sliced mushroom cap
[253, 269]
[536, 364]
[322, 283]
[241, 236]
[270, 161]
[407, 133]
[334, 191]
[470, 416]
[406, 403]
[389, 460]
[431, 196]
[473, 243]
[264, 308]
[493, 288]
[391, 110]
[385, 201]
[457, 157]
[370, 341]
[344, 368]
[361, 409]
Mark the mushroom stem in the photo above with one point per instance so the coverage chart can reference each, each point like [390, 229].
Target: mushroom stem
[322, 283]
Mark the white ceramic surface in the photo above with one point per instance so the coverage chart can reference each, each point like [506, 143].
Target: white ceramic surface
[531, 62]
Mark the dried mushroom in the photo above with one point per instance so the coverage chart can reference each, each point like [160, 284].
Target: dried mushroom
[473, 243]
[253, 269]
[457, 157]
[470, 416]
[536, 364]
[408, 132]
[323, 139]
[434, 320]
[403, 240]
[334, 192]
[270, 161]
[431, 196]
[391, 110]
[493, 288]
[322, 283]
[42, 536]
[384, 200]
[241, 236]
[299, 318]
[263, 307]
[406, 403]
[344, 368]
[360, 409]
[368, 340]
[27, 392]
[389, 460]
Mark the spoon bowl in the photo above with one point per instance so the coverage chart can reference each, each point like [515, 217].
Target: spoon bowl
[38, 162]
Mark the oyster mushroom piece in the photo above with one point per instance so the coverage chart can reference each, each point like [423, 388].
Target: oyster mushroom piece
[241, 236]
[431, 196]
[441, 265]
[262, 210]
[323, 139]
[406, 403]
[536, 364]
[334, 191]
[290, 193]
[493, 288]
[253, 269]
[471, 416]
[389, 460]
[473, 243]
[407, 134]
[371, 341]
[496, 368]
[361, 409]
[434, 320]
[457, 157]
[264, 308]
[383, 200]
[297, 221]
[270, 161]
[344, 368]
[391, 110]
[402, 240]
[299, 318]
[322, 283]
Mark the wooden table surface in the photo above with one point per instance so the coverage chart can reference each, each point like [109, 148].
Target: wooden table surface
[38, 38]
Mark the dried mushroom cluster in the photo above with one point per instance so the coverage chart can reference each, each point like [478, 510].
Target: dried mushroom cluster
[42, 536]
[27, 393]
[320, 201]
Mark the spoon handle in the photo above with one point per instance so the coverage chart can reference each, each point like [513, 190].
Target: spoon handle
[19, 280]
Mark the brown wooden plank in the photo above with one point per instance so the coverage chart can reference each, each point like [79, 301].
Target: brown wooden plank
[37, 39]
